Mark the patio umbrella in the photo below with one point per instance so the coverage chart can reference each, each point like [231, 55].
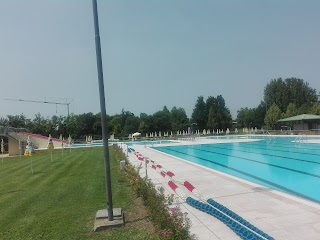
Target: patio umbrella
[136, 134]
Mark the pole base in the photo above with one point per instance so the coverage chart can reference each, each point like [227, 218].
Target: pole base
[102, 222]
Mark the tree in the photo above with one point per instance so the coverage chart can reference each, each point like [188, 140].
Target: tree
[291, 90]
[245, 117]
[115, 122]
[179, 119]
[272, 116]
[3, 122]
[143, 127]
[316, 109]
[291, 111]
[145, 123]
[224, 115]
[131, 125]
[17, 121]
[304, 108]
[251, 117]
[86, 121]
[72, 126]
[38, 125]
[259, 115]
[199, 114]
[218, 115]
[162, 120]
[212, 112]
[211, 119]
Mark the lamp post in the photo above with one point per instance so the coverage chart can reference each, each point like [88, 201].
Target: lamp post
[103, 111]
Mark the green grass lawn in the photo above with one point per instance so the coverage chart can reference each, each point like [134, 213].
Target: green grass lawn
[60, 199]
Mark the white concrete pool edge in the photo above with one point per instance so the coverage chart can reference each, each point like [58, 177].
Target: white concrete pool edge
[271, 211]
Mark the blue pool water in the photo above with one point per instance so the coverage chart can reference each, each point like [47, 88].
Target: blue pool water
[279, 164]
[149, 142]
[99, 144]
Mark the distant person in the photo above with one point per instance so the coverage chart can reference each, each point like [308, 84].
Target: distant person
[50, 143]
[29, 148]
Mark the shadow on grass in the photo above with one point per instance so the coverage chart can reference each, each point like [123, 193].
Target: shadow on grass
[11, 192]
[40, 172]
[138, 220]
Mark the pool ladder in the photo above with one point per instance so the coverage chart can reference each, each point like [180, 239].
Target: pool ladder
[271, 138]
[301, 138]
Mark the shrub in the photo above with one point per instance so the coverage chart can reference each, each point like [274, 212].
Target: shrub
[169, 222]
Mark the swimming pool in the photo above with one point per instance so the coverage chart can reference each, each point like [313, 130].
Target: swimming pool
[99, 144]
[149, 142]
[279, 164]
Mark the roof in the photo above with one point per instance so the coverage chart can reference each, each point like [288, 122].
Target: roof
[300, 118]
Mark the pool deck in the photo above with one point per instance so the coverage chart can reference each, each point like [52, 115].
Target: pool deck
[280, 215]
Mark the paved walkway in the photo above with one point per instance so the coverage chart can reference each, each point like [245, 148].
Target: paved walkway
[280, 215]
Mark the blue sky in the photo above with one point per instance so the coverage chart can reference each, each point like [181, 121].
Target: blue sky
[155, 53]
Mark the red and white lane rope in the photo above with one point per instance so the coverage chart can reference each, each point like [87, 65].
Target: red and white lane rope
[239, 225]
[241, 222]
[171, 183]
[190, 187]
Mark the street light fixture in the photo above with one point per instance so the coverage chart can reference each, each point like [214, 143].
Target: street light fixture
[102, 216]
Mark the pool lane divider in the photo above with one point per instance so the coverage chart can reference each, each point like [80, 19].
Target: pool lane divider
[215, 204]
[236, 223]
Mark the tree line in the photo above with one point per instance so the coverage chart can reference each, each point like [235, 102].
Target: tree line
[282, 98]
[213, 114]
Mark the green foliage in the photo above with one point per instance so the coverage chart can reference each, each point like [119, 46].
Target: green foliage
[143, 127]
[293, 96]
[199, 114]
[18, 121]
[211, 119]
[4, 122]
[223, 116]
[291, 111]
[146, 124]
[162, 120]
[272, 116]
[170, 223]
[131, 125]
[211, 114]
[291, 90]
[315, 109]
[251, 117]
[245, 117]
[86, 121]
[38, 124]
[116, 125]
[179, 119]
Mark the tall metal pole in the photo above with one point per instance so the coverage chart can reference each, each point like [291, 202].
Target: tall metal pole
[103, 111]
